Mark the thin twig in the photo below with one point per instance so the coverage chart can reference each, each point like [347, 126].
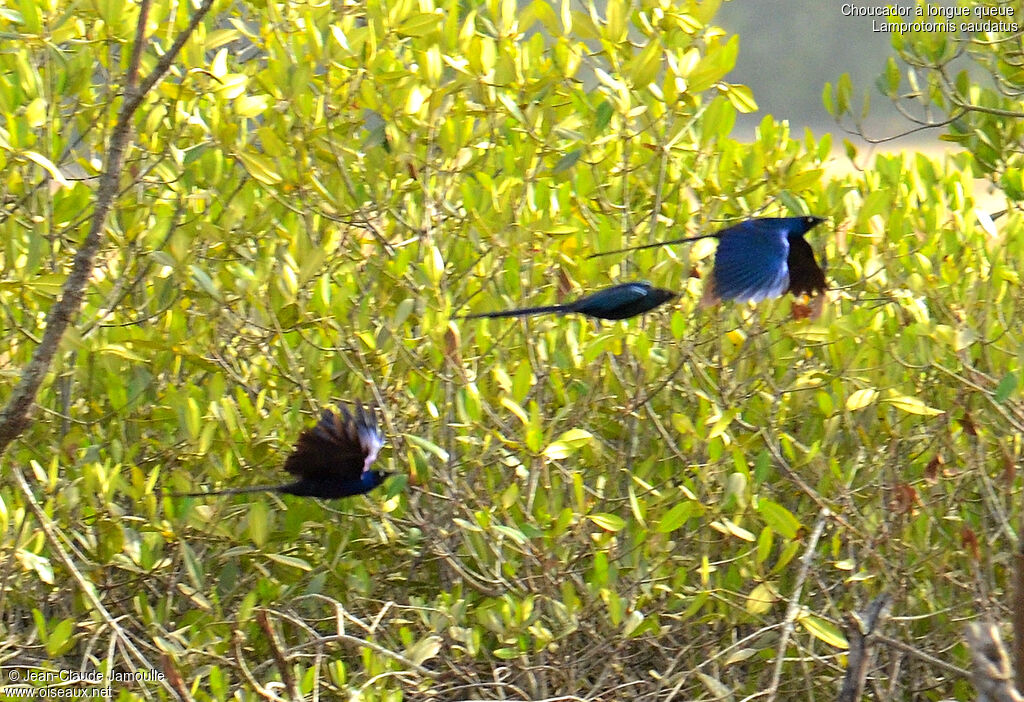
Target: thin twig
[376, 648]
[793, 610]
[236, 644]
[926, 657]
[287, 677]
[88, 591]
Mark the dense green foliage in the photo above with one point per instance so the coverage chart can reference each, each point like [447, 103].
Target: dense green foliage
[968, 83]
[626, 511]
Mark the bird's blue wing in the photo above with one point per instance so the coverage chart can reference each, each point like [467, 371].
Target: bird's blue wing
[610, 300]
[750, 263]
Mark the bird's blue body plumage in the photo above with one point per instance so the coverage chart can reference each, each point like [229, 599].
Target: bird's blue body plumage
[758, 259]
[752, 261]
[620, 301]
[328, 489]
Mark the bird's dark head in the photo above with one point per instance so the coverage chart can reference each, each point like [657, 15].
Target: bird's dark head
[660, 295]
[808, 223]
[798, 226]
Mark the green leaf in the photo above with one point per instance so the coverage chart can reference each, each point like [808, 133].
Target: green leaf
[727, 526]
[859, 399]
[676, 517]
[258, 523]
[419, 24]
[823, 630]
[428, 446]
[740, 655]
[259, 167]
[826, 99]
[643, 69]
[912, 405]
[616, 20]
[424, 649]
[780, 519]
[251, 105]
[608, 522]
[604, 116]
[59, 640]
[40, 621]
[567, 444]
[1006, 387]
[48, 166]
[843, 89]
[513, 407]
[567, 161]
[761, 599]
[719, 690]
[742, 98]
[434, 264]
[192, 566]
[396, 485]
[290, 561]
[719, 60]
[37, 563]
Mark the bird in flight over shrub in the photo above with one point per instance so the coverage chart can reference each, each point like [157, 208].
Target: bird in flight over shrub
[616, 302]
[331, 459]
[758, 259]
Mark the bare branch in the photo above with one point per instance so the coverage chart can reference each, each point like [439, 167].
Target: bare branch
[14, 419]
[991, 672]
[860, 632]
[1017, 608]
[280, 658]
[793, 609]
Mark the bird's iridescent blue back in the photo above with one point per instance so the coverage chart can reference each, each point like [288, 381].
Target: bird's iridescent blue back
[750, 263]
[606, 303]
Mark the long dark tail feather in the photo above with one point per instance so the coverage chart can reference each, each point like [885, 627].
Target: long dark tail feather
[230, 491]
[521, 312]
[651, 246]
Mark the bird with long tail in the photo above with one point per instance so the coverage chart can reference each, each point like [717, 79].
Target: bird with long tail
[332, 459]
[616, 302]
[757, 259]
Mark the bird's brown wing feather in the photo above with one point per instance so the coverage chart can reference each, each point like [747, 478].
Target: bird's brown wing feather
[337, 448]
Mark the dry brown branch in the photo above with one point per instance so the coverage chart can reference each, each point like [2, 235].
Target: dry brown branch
[174, 678]
[14, 418]
[279, 657]
[860, 633]
[991, 673]
[1017, 607]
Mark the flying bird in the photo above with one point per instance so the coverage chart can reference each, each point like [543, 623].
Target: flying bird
[331, 459]
[758, 259]
[617, 302]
